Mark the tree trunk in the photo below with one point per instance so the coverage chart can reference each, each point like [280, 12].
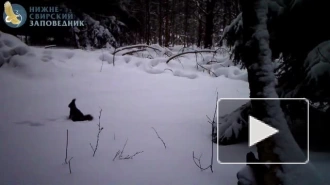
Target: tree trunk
[200, 29]
[160, 19]
[167, 24]
[209, 23]
[186, 5]
[256, 56]
[173, 22]
[225, 11]
[147, 37]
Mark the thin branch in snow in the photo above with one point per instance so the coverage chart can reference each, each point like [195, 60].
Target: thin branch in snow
[189, 52]
[169, 70]
[98, 135]
[207, 69]
[212, 122]
[199, 165]
[159, 137]
[209, 120]
[135, 46]
[70, 164]
[134, 51]
[119, 153]
[216, 106]
[91, 146]
[102, 61]
[66, 149]
[197, 64]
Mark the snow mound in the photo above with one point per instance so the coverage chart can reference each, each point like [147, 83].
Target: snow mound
[11, 46]
[106, 57]
[182, 74]
[232, 72]
[18, 58]
[32, 61]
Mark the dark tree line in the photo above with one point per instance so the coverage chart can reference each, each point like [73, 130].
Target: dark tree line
[187, 22]
[163, 22]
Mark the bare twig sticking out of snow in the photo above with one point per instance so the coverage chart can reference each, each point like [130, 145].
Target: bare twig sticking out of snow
[159, 137]
[212, 122]
[98, 135]
[215, 112]
[207, 69]
[197, 64]
[102, 61]
[119, 153]
[66, 149]
[70, 164]
[199, 165]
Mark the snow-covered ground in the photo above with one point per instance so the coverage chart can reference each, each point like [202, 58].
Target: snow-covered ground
[135, 95]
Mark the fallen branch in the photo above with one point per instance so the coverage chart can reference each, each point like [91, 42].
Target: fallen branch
[119, 154]
[143, 46]
[50, 46]
[135, 46]
[189, 52]
[159, 137]
[222, 50]
[169, 70]
[134, 51]
[98, 135]
[207, 69]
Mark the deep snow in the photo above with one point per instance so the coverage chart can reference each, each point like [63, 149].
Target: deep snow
[135, 95]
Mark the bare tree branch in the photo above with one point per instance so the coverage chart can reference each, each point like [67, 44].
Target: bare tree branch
[199, 163]
[132, 52]
[67, 143]
[189, 52]
[119, 154]
[70, 164]
[199, 7]
[212, 122]
[135, 46]
[159, 137]
[98, 135]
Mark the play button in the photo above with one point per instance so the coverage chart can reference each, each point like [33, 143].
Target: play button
[259, 131]
[239, 133]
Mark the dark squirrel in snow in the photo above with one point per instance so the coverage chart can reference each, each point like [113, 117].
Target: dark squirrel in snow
[76, 114]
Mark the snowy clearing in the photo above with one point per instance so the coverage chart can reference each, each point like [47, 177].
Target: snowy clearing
[135, 95]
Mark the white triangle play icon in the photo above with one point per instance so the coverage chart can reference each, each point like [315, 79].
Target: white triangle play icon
[259, 131]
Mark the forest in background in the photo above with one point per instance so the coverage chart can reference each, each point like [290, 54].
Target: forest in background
[124, 22]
